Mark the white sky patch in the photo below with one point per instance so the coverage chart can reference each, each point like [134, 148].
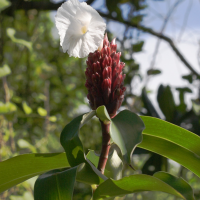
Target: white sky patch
[169, 63]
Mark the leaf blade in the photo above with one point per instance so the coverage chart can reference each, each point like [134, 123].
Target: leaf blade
[131, 184]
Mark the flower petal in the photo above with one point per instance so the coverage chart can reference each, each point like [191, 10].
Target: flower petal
[80, 27]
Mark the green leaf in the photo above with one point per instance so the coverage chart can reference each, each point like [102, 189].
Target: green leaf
[26, 108]
[114, 164]
[53, 119]
[103, 115]
[126, 132]
[25, 144]
[153, 72]
[8, 107]
[11, 33]
[138, 46]
[112, 5]
[74, 149]
[42, 112]
[3, 5]
[166, 102]
[4, 71]
[172, 142]
[28, 166]
[177, 183]
[70, 139]
[55, 185]
[139, 183]
[189, 78]
[196, 107]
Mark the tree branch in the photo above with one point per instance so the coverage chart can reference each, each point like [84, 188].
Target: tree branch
[159, 35]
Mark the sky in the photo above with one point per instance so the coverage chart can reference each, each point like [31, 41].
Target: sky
[183, 27]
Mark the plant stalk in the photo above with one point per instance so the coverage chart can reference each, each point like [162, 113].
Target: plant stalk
[105, 147]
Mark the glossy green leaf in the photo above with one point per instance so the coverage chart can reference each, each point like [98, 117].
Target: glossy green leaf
[20, 168]
[56, 185]
[11, 33]
[30, 165]
[139, 182]
[126, 132]
[3, 5]
[70, 139]
[172, 133]
[177, 183]
[4, 71]
[170, 150]
[166, 102]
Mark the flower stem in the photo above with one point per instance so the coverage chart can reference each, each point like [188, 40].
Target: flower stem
[105, 147]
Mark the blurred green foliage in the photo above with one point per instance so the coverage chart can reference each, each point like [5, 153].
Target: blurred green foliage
[42, 90]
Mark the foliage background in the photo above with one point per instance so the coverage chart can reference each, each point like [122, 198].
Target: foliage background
[42, 89]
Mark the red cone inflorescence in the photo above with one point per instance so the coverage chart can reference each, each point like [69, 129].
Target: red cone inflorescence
[104, 78]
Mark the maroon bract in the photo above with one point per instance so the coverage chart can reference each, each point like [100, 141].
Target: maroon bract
[104, 78]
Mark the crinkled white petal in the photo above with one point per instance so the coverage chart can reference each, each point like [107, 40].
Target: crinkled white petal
[72, 19]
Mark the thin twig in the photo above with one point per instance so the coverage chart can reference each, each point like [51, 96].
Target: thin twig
[47, 108]
[159, 40]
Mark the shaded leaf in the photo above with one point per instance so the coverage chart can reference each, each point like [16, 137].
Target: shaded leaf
[114, 164]
[153, 72]
[56, 184]
[70, 139]
[138, 46]
[196, 107]
[189, 78]
[148, 105]
[126, 132]
[166, 102]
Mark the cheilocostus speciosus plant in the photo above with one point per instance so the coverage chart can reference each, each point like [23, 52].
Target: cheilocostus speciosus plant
[82, 34]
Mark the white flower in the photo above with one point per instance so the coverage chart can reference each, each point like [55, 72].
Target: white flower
[80, 27]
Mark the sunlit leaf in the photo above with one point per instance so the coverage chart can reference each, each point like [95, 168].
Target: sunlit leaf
[3, 5]
[42, 112]
[7, 108]
[11, 33]
[173, 142]
[4, 71]
[26, 108]
[25, 144]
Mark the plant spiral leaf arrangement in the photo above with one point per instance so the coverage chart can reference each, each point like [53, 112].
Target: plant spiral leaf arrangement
[81, 32]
